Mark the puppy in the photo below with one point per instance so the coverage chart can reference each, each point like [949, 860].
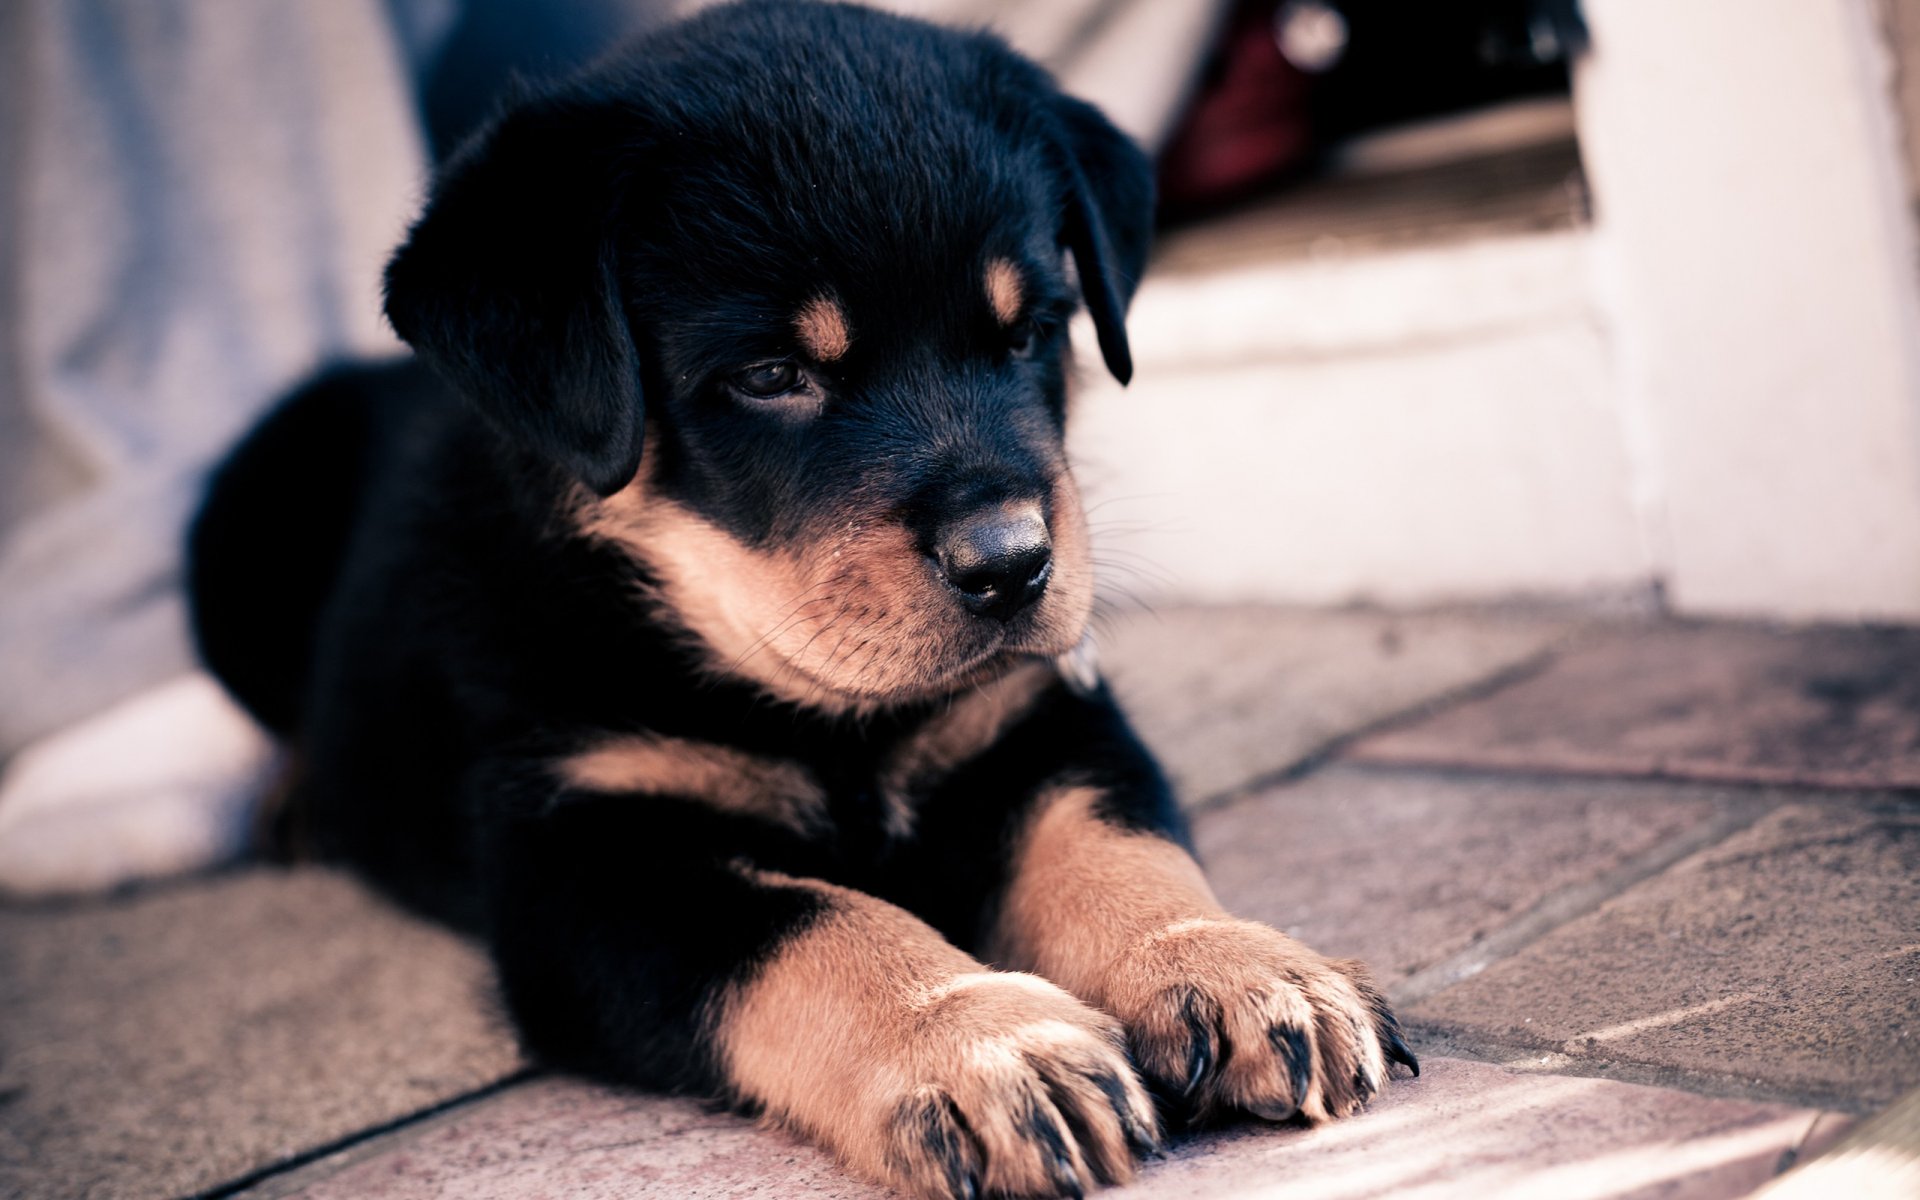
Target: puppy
[689, 617]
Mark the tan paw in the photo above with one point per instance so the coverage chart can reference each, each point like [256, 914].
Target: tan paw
[1225, 1014]
[1013, 1087]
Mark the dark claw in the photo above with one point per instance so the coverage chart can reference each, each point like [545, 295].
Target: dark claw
[1067, 1179]
[943, 1133]
[1200, 1055]
[1292, 1045]
[1142, 1138]
[1363, 1087]
[1198, 1060]
[1397, 1051]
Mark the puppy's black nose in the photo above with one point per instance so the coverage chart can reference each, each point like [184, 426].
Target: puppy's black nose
[998, 559]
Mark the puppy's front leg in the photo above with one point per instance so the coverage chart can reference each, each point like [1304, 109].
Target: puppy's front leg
[838, 1014]
[1221, 1013]
[878, 1037]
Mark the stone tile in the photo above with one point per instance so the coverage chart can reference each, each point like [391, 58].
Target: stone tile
[1788, 957]
[1831, 706]
[168, 1042]
[1405, 870]
[561, 1137]
[1226, 695]
[1462, 1130]
[1474, 1131]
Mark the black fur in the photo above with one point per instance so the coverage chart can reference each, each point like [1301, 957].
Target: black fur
[384, 572]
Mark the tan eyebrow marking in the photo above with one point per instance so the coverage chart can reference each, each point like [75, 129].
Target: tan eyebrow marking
[823, 329]
[1004, 291]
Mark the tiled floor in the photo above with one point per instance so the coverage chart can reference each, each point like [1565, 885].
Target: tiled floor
[1748, 704]
[1647, 896]
[1788, 954]
[165, 1044]
[1461, 1129]
[1410, 872]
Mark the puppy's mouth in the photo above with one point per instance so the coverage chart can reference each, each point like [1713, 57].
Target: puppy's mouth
[858, 616]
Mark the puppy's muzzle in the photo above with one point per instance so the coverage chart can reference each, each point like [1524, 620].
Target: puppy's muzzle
[998, 558]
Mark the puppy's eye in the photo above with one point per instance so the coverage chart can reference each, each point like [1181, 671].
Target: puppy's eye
[1023, 338]
[767, 380]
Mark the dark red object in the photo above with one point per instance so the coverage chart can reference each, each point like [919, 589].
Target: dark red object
[1248, 123]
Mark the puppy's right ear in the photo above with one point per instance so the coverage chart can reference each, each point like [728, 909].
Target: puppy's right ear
[509, 285]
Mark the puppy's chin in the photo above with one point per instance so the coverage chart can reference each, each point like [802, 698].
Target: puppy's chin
[995, 666]
[952, 655]
[965, 673]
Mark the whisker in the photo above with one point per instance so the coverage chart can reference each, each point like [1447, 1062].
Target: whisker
[796, 613]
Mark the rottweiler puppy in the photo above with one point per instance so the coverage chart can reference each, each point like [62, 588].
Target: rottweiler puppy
[697, 615]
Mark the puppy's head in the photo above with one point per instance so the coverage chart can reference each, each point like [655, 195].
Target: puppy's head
[783, 292]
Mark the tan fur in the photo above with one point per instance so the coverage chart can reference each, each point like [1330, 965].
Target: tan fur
[1127, 922]
[822, 329]
[846, 618]
[973, 722]
[1068, 601]
[728, 779]
[872, 1034]
[1083, 892]
[1005, 293]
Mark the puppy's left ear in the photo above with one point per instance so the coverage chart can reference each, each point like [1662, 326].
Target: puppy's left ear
[1109, 221]
[509, 285]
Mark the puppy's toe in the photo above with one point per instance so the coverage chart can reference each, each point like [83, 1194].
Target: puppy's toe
[1023, 1091]
[1233, 1015]
[931, 1148]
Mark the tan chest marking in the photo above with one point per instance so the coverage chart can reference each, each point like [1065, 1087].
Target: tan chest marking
[732, 781]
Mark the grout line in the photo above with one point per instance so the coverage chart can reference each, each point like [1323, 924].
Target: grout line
[1576, 901]
[1705, 776]
[1447, 1042]
[1334, 747]
[281, 1178]
[1811, 791]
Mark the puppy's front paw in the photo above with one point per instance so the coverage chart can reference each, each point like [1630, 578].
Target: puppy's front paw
[1229, 1014]
[1013, 1087]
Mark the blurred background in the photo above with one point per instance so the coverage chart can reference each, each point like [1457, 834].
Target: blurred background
[1610, 303]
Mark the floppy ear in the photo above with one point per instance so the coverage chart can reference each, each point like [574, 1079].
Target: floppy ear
[1109, 221]
[509, 285]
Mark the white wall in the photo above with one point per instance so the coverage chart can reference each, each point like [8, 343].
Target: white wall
[1410, 427]
[1759, 283]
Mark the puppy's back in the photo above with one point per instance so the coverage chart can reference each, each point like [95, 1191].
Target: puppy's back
[266, 547]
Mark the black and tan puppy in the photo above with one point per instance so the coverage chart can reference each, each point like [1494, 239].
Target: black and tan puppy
[689, 617]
